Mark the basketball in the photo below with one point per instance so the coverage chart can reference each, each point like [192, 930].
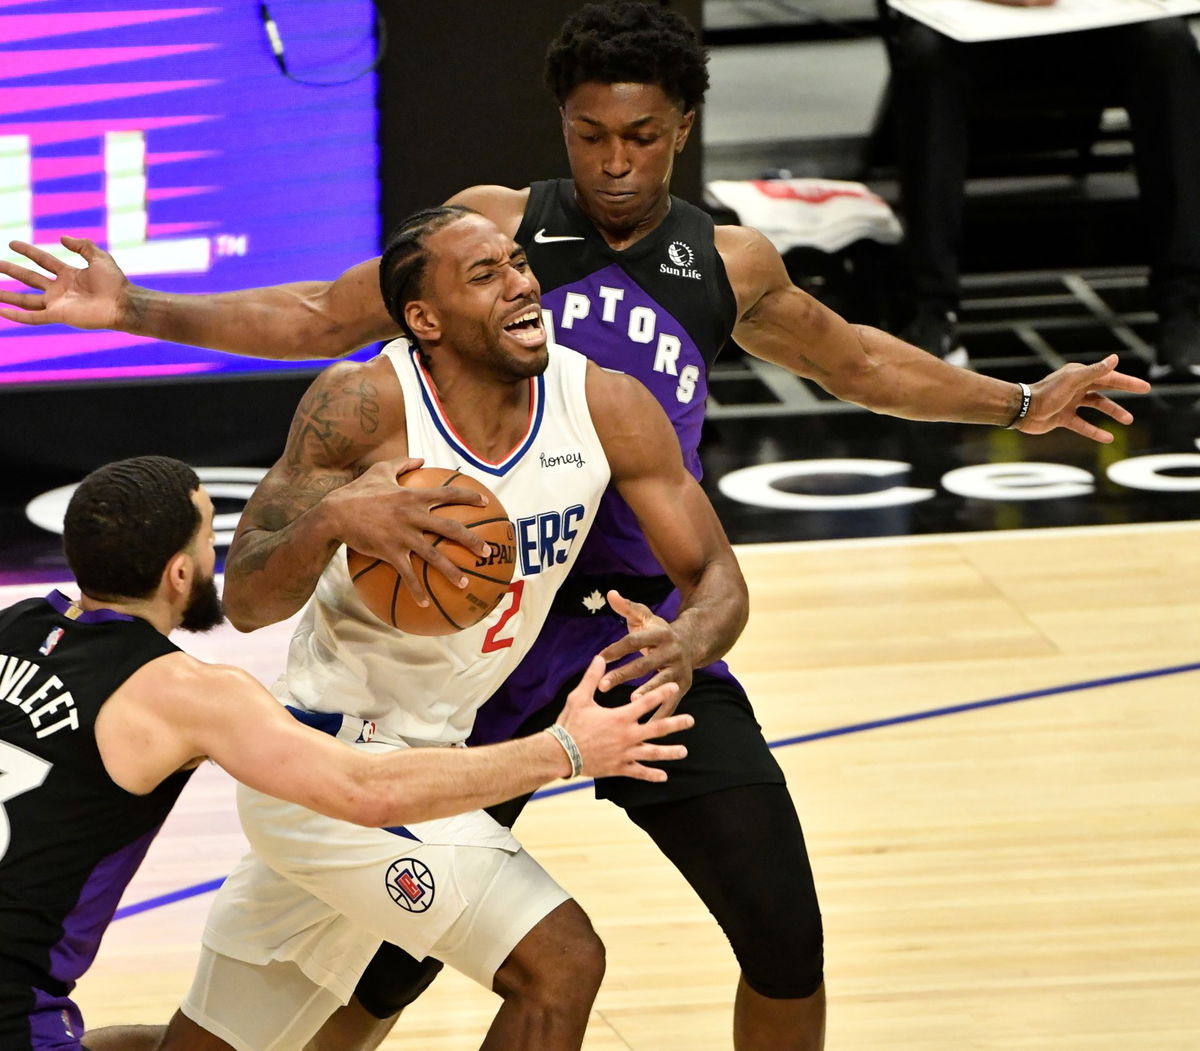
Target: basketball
[450, 608]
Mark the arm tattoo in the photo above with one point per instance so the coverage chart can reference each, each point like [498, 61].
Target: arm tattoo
[323, 429]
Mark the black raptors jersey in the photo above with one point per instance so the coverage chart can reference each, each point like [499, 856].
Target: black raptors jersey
[70, 839]
[659, 310]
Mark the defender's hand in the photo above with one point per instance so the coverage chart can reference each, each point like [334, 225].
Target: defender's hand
[611, 741]
[664, 651]
[1058, 397]
[97, 296]
[383, 519]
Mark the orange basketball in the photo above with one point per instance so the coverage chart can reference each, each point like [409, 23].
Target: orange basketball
[450, 608]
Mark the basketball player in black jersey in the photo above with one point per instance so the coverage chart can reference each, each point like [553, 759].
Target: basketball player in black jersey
[103, 719]
[643, 282]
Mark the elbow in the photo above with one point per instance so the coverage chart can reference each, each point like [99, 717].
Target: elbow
[241, 613]
[860, 378]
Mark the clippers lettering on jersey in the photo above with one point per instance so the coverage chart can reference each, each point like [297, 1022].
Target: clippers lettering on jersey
[616, 319]
[15, 675]
[545, 540]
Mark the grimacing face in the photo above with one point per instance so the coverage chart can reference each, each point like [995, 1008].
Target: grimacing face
[483, 299]
[622, 140]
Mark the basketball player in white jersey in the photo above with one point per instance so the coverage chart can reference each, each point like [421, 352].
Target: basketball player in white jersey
[296, 923]
[103, 719]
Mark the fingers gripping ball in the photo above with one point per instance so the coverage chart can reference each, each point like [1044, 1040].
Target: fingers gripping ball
[450, 608]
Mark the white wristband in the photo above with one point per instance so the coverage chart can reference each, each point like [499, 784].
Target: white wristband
[569, 746]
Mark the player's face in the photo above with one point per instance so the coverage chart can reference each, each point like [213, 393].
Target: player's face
[485, 299]
[621, 142]
[203, 610]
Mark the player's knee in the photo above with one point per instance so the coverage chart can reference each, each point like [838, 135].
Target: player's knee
[393, 980]
[556, 977]
[784, 961]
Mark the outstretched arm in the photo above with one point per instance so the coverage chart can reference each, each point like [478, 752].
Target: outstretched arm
[333, 486]
[782, 324]
[684, 533]
[302, 321]
[176, 710]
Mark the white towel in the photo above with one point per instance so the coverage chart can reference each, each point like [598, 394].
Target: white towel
[827, 214]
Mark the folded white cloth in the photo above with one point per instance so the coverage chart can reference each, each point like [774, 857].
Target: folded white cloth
[827, 214]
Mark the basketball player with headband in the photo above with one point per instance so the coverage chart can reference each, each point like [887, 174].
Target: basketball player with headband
[301, 917]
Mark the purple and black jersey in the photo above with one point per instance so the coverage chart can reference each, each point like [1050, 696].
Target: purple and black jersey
[659, 310]
[70, 838]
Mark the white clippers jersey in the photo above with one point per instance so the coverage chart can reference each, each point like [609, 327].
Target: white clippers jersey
[426, 690]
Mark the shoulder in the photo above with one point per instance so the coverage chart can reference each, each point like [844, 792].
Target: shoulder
[752, 264]
[502, 204]
[179, 678]
[743, 246]
[350, 408]
[621, 405]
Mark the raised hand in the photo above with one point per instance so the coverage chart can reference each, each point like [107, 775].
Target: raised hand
[1058, 398]
[611, 741]
[95, 296]
[665, 652]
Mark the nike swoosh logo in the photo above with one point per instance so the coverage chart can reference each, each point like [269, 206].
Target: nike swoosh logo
[543, 238]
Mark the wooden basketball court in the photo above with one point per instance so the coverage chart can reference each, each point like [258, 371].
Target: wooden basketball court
[992, 740]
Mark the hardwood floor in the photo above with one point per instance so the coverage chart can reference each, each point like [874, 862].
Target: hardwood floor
[1018, 874]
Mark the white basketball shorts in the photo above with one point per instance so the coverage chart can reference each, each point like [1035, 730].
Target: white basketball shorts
[322, 894]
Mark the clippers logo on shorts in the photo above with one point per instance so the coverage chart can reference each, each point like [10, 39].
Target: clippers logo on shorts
[410, 883]
[680, 253]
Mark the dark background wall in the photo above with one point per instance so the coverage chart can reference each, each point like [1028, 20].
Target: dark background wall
[461, 100]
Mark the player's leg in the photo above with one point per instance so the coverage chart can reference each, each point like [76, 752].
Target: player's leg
[393, 979]
[726, 820]
[124, 1038]
[548, 983]
[460, 890]
[391, 982]
[743, 852]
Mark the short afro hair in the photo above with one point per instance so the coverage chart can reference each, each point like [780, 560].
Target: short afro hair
[126, 521]
[628, 41]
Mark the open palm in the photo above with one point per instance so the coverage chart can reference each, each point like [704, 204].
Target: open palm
[84, 297]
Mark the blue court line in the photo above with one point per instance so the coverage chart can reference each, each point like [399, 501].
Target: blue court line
[167, 899]
[819, 735]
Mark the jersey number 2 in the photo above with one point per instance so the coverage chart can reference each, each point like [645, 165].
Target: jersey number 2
[492, 640]
[20, 772]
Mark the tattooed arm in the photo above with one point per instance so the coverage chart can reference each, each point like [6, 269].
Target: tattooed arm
[335, 484]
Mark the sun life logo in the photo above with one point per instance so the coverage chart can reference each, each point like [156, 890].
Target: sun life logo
[680, 253]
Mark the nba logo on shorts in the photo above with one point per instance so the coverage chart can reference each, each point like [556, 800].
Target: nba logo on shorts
[410, 883]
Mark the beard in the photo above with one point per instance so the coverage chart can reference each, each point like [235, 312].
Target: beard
[203, 611]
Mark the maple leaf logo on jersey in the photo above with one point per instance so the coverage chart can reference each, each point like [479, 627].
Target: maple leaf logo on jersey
[594, 602]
